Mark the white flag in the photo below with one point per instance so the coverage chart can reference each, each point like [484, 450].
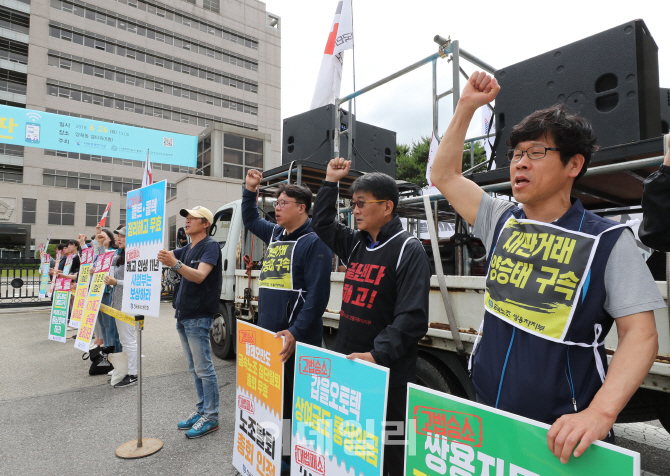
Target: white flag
[148, 178]
[341, 38]
[431, 156]
[486, 124]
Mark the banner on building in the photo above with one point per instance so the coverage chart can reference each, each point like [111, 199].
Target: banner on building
[145, 219]
[450, 435]
[31, 128]
[339, 406]
[82, 287]
[44, 275]
[59, 309]
[92, 304]
[259, 400]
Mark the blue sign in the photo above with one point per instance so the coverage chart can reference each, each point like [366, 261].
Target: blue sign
[26, 127]
[339, 406]
[145, 223]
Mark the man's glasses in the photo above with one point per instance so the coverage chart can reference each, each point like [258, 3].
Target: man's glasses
[282, 203]
[361, 203]
[533, 153]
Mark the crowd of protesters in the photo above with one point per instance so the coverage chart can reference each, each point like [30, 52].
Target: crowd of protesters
[110, 335]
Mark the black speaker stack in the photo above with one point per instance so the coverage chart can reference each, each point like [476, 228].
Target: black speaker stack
[309, 137]
[665, 110]
[610, 78]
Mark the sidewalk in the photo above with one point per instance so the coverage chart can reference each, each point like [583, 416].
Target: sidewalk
[59, 420]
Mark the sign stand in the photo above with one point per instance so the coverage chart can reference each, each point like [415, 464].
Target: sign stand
[140, 447]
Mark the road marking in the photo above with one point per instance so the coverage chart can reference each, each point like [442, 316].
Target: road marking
[644, 433]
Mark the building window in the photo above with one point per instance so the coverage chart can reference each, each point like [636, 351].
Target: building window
[212, 5]
[94, 213]
[172, 232]
[159, 34]
[155, 84]
[10, 173]
[240, 154]
[29, 210]
[13, 51]
[122, 216]
[129, 104]
[13, 82]
[61, 213]
[204, 164]
[14, 21]
[13, 150]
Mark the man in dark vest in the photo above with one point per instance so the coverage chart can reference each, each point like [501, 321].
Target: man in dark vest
[558, 277]
[196, 301]
[384, 311]
[294, 284]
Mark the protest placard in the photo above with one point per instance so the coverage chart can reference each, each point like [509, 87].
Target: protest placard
[92, 305]
[450, 435]
[82, 287]
[44, 275]
[145, 218]
[53, 278]
[258, 402]
[339, 406]
[59, 309]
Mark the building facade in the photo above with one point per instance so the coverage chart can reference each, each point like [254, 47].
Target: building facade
[201, 67]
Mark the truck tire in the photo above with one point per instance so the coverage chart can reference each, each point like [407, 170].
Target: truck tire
[222, 333]
[429, 375]
[663, 409]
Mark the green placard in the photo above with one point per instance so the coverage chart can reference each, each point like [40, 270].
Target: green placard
[447, 435]
[59, 310]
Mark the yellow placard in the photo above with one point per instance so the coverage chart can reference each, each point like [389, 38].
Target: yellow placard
[80, 295]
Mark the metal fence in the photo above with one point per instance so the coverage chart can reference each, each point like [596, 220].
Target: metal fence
[20, 283]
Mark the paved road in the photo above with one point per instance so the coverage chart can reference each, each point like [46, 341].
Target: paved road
[58, 420]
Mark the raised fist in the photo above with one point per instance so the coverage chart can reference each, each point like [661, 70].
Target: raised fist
[253, 179]
[480, 90]
[337, 169]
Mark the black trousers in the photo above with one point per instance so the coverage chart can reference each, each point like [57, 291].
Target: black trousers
[394, 446]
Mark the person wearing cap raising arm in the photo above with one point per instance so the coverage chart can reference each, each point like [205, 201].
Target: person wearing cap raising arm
[294, 284]
[558, 277]
[196, 301]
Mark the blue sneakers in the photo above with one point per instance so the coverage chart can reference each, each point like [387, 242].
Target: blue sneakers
[202, 427]
[189, 422]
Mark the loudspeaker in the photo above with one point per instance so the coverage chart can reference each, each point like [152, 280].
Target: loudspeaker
[610, 78]
[309, 137]
[665, 111]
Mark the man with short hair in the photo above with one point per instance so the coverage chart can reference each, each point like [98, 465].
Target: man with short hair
[558, 278]
[294, 284]
[196, 301]
[384, 311]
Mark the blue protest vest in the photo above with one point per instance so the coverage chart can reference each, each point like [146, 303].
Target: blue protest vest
[541, 353]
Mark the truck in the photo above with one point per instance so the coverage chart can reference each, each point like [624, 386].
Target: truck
[456, 298]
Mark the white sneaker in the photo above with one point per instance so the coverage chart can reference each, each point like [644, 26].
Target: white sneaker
[110, 373]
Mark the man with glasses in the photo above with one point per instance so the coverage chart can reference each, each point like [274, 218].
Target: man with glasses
[294, 285]
[384, 311]
[558, 277]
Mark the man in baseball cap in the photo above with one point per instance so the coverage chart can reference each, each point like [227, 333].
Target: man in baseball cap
[196, 301]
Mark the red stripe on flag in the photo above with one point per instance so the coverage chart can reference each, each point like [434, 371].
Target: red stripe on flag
[330, 44]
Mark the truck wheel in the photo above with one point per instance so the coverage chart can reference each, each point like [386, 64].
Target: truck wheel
[663, 409]
[222, 334]
[430, 376]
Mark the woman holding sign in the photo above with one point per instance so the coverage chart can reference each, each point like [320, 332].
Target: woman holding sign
[126, 331]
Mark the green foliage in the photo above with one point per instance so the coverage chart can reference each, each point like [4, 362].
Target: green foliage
[412, 160]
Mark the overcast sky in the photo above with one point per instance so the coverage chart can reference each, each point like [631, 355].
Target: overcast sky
[391, 35]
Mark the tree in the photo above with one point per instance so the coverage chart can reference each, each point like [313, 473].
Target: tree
[412, 160]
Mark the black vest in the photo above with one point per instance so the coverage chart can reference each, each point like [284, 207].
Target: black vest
[199, 299]
[369, 299]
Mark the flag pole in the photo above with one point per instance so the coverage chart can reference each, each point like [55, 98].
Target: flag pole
[353, 51]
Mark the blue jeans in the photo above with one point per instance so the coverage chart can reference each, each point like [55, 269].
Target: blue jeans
[110, 335]
[194, 335]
